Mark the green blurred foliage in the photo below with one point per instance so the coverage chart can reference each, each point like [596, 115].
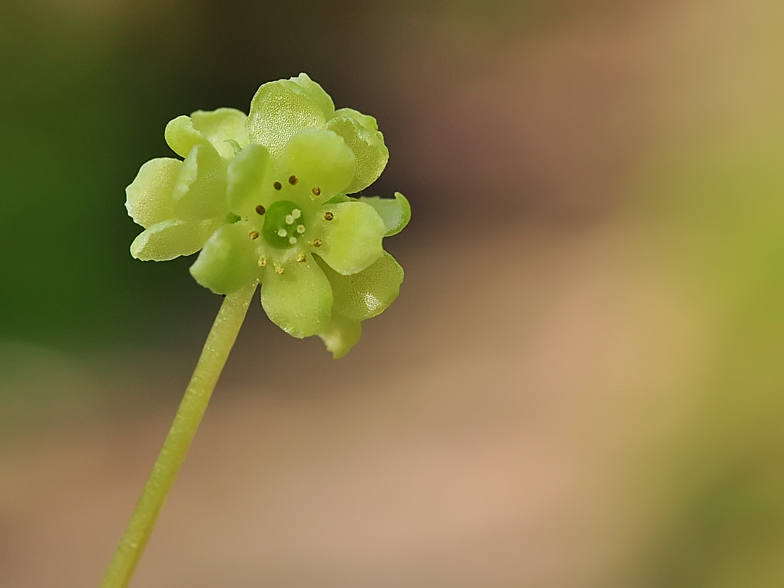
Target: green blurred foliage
[722, 211]
[79, 105]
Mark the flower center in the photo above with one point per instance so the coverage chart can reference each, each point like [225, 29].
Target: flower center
[284, 224]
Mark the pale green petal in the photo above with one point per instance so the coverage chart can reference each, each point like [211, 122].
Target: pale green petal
[149, 197]
[340, 335]
[352, 239]
[321, 162]
[299, 301]
[317, 93]
[363, 137]
[361, 296]
[181, 136]
[281, 109]
[228, 261]
[172, 238]
[200, 190]
[249, 183]
[221, 126]
[341, 198]
[365, 120]
[395, 213]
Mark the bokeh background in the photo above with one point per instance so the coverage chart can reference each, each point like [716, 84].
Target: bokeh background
[581, 384]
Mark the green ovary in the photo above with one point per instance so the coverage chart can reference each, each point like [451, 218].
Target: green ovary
[284, 224]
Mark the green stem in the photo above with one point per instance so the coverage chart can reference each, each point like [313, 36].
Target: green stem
[213, 357]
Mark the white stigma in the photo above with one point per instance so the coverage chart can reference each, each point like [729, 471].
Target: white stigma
[292, 240]
[300, 229]
[289, 219]
[296, 213]
[282, 232]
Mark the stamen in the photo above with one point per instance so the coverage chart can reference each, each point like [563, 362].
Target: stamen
[316, 190]
[289, 219]
[292, 240]
[279, 269]
[300, 229]
[316, 242]
[301, 257]
[293, 180]
[328, 215]
[260, 209]
[296, 213]
[253, 234]
[277, 185]
[282, 232]
[262, 262]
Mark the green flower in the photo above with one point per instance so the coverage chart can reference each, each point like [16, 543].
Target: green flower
[182, 203]
[278, 213]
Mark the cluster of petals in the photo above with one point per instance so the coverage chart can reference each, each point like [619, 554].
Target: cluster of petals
[265, 198]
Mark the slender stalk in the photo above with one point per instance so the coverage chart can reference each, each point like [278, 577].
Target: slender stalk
[213, 357]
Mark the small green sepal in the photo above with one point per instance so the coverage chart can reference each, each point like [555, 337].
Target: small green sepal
[395, 213]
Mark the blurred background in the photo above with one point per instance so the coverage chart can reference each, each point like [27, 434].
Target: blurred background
[581, 384]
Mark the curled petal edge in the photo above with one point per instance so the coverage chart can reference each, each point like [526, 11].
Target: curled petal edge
[223, 128]
[172, 238]
[368, 146]
[395, 213]
[149, 197]
[340, 335]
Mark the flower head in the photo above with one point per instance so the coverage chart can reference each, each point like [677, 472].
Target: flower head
[265, 198]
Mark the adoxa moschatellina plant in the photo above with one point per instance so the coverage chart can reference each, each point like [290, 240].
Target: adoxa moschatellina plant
[265, 199]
